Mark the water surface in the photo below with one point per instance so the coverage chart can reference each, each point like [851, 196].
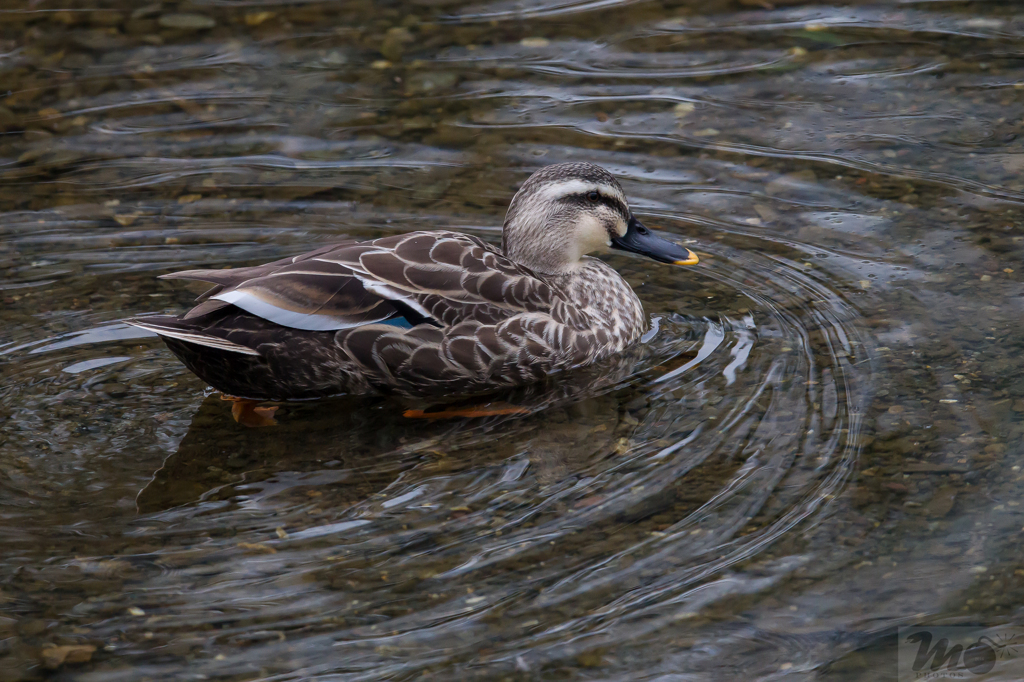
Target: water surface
[818, 442]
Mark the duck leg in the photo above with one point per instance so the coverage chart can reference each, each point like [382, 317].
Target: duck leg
[249, 412]
[485, 410]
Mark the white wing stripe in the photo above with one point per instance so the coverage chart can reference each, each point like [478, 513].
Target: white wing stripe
[388, 293]
[286, 318]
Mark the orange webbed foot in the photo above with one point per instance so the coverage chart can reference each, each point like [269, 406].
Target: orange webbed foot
[249, 412]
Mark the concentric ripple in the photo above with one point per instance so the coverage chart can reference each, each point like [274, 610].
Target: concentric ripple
[817, 441]
[704, 446]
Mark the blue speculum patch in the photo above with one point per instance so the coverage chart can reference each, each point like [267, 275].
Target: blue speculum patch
[399, 322]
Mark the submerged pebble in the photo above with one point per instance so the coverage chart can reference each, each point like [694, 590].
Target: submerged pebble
[186, 21]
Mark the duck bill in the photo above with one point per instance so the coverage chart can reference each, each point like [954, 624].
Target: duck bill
[638, 239]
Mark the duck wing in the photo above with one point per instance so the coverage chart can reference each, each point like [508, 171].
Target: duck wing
[446, 277]
[438, 278]
[297, 292]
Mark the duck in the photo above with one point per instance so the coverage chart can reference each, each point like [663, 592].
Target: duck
[428, 313]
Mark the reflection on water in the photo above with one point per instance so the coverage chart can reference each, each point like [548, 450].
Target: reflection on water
[818, 441]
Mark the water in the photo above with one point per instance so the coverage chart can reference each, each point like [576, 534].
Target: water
[820, 440]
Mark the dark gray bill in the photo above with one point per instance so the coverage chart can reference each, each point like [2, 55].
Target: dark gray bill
[639, 239]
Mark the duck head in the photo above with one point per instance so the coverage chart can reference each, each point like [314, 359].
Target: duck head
[565, 211]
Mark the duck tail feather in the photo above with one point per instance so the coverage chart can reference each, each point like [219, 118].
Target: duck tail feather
[169, 327]
[226, 277]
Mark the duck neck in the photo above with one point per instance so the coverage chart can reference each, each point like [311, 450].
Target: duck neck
[541, 238]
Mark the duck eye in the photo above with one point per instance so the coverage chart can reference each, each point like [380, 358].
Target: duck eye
[593, 196]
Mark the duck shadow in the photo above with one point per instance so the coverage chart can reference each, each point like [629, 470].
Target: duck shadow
[363, 445]
[217, 455]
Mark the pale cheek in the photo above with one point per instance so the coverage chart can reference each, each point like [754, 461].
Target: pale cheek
[592, 236]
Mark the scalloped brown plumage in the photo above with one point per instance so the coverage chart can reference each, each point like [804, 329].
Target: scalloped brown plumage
[478, 321]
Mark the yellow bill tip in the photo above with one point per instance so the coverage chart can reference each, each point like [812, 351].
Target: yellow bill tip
[690, 260]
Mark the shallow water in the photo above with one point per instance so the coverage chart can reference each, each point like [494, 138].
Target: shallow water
[819, 441]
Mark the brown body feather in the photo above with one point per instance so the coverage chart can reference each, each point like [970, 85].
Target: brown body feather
[424, 313]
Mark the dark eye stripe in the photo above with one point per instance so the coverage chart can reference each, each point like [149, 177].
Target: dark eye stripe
[613, 203]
